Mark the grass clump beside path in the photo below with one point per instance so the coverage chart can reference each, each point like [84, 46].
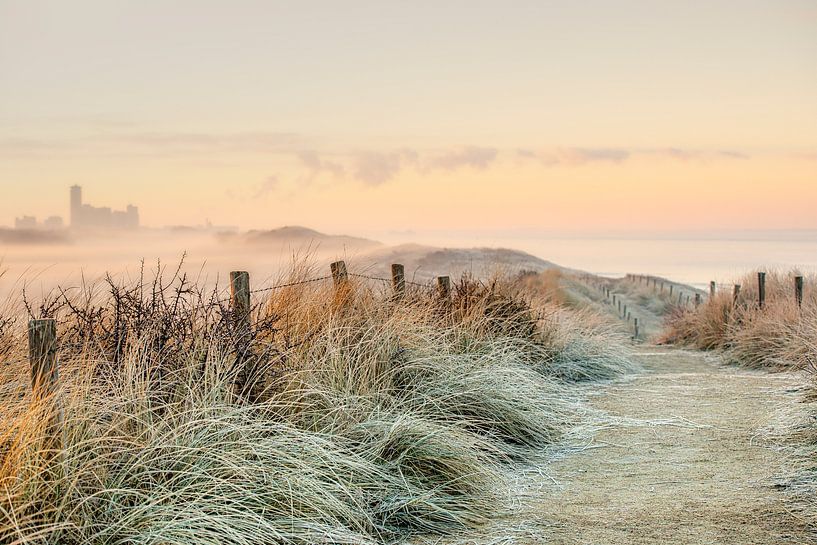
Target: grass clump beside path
[341, 417]
[781, 335]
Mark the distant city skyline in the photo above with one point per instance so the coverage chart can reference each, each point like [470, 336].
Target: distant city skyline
[84, 216]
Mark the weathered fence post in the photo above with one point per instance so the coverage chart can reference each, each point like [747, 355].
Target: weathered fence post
[45, 380]
[697, 300]
[240, 308]
[444, 287]
[240, 300]
[670, 290]
[680, 298]
[798, 291]
[340, 277]
[635, 328]
[735, 294]
[398, 280]
[761, 289]
[712, 288]
[624, 312]
[339, 273]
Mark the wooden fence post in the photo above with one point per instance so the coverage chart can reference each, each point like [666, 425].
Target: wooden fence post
[398, 280]
[444, 287]
[45, 379]
[735, 294]
[339, 273]
[635, 327]
[624, 312]
[712, 288]
[761, 289]
[697, 299]
[670, 290]
[798, 291]
[240, 300]
[240, 308]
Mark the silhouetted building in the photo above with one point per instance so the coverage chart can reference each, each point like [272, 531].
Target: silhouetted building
[26, 222]
[85, 215]
[53, 223]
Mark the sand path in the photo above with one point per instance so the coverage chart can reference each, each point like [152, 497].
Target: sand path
[684, 459]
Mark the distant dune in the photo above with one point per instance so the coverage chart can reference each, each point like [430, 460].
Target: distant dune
[424, 262]
[32, 237]
[299, 237]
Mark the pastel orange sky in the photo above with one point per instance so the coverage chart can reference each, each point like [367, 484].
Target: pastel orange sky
[356, 116]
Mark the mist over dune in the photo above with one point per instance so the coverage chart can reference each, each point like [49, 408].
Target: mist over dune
[293, 236]
[424, 262]
[33, 237]
[41, 261]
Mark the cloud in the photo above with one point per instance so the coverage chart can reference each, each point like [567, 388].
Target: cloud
[189, 143]
[165, 144]
[471, 156]
[729, 154]
[377, 168]
[270, 184]
[805, 155]
[312, 161]
[582, 156]
[681, 154]
[26, 146]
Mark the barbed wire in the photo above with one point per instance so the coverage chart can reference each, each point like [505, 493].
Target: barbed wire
[387, 280]
[356, 275]
[290, 284]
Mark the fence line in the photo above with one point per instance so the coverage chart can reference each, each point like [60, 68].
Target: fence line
[328, 277]
[42, 334]
[659, 286]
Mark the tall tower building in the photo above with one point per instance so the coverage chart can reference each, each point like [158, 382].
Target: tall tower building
[76, 205]
[85, 216]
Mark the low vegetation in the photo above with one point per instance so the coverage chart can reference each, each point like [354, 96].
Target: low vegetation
[781, 335]
[342, 416]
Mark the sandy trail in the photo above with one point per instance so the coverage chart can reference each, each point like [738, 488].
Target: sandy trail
[684, 459]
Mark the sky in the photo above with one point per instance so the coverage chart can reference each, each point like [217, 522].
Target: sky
[364, 116]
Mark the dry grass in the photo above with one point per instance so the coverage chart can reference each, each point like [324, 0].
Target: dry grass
[780, 335]
[341, 418]
[646, 296]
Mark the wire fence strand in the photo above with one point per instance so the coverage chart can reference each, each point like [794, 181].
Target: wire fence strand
[356, 275]
[290, 284]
